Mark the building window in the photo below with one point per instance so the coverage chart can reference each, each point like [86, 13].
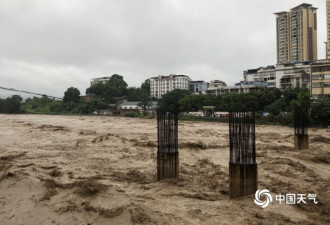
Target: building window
[317, 77]
[316, 69]
[327, 84]
[321, 96]
[316, 85]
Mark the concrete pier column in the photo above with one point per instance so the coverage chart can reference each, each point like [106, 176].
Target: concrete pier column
[243, 179]
[301, 141]
[167, 165]
[301, 121]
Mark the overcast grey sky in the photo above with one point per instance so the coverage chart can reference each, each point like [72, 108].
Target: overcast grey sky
[47, 46]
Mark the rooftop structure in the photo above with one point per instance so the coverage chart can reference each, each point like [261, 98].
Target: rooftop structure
[198, 86]
[242, 87]
[292, 75]
[217, 83]
[261, 74]
[102, 80]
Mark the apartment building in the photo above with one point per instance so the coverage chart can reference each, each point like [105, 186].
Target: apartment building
[261, 74]
[198, 86]
[320, 79]
[285, 75]
[163, 84]
[241, 87]
[292, 75]
[217, 83]
[102, 80]
[297, 34]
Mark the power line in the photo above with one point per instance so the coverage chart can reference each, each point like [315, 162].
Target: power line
[28, 92]
[33, 93]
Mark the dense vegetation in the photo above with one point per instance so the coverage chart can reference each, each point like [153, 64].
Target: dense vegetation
[116, 89]
[103, 96]
[51, 106]
[11, 104]
[279, 104]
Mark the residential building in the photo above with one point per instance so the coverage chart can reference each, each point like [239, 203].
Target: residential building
[217, 83]
[163, 84]
[242, 87]
[298, 80]
[261, 74]
[214, 87]
[198, 86]
[102, 80]
[129, 105]
[285, 75]
[292, 75]
[297, 34]
[320, 79]
[134, 106]
[89, 97]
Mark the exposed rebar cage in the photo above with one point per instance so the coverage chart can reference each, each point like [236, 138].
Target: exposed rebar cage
[167, 130]
[242, 137]
[167, 154]
[300, 120]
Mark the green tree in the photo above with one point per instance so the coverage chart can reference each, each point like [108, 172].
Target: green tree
[276, 107]
[44, 100]
[71, 94]
[145, 87]
[320, 112]
[240, 102]
[196, 102]
[115, 87]
[144, 102]
[12, 104]
[304, 99]
[170, 100]
[97, 89]
[289, 95]
[41, 105]
[266, 97]
[96, 105]
[2, 105]
[56, 107]
[133, 94]
[140, 94]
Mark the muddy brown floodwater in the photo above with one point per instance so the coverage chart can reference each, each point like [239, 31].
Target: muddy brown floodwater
[102, 170]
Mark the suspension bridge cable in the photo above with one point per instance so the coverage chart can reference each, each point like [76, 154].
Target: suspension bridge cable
[28, 92]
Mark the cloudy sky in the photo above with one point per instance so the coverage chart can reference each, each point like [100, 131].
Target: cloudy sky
[47, 46]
